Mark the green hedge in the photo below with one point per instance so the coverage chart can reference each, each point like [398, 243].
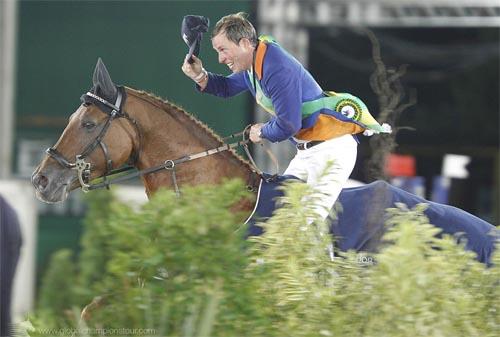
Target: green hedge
[181, 267]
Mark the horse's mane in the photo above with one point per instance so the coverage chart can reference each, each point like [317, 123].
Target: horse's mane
[169, 107]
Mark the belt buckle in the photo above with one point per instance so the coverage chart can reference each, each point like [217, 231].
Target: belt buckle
[302, 146]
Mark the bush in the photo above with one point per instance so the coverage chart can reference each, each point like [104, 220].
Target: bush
[56, 292]
[182, 267]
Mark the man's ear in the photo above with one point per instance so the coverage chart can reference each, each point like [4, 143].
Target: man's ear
[245, 42]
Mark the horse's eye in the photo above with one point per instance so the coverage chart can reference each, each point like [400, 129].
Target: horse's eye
[86, 104]
[88, 125]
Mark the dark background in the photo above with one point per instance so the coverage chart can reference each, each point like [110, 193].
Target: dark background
[455, 72]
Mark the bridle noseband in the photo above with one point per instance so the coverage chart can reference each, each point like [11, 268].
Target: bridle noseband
[83, 167]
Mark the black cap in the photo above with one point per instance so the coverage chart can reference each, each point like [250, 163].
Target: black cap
[193, 27]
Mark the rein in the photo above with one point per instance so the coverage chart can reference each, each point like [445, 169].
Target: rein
[115, 111]
[168, 165]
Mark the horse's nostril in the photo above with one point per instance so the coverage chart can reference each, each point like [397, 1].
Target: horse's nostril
[40, 181]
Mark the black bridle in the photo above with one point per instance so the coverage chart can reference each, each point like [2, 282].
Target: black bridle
[83, 167]
[115, 111]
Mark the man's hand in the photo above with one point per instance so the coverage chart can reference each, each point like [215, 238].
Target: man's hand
[255, 135]
[194, 70]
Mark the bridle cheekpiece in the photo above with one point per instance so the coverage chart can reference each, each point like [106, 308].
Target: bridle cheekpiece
[82, 166]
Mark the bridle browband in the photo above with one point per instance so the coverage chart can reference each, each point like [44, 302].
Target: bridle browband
[115, 111]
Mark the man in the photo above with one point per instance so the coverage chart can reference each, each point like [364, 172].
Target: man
[287, 90]
[10, 247]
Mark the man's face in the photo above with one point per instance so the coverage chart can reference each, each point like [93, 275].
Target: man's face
[238, 57]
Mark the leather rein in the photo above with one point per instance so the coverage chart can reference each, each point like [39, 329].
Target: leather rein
[115, 111]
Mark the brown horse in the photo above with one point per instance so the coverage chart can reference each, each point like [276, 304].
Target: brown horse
[170, 148]
[144, 131]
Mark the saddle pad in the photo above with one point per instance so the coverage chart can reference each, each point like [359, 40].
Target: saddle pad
[359, 224]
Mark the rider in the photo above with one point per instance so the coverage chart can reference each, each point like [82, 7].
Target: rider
[282, 85]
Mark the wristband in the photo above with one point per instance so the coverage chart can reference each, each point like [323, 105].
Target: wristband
[201, 76]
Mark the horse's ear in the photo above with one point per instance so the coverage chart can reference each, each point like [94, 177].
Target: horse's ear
[103, 85]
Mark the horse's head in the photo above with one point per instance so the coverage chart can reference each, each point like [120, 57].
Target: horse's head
[100, 136]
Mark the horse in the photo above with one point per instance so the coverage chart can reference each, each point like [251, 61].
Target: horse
[144, 132]
[169, 148]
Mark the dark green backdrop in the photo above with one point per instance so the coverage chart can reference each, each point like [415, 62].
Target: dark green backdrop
[140, 43]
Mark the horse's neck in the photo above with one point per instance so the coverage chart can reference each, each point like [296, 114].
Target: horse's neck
[172, 134]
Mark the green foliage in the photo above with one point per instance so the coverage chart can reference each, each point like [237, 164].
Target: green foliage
[418, 285]
[95, 251]
[294, 267]
[181, 266]
[425, 286]
[170, 259]
[57, 293]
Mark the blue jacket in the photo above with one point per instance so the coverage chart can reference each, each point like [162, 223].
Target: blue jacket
[284, 80]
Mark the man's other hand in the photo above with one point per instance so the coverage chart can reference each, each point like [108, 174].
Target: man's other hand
[255, 133]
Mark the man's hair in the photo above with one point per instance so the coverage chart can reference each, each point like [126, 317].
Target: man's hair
[236, 27]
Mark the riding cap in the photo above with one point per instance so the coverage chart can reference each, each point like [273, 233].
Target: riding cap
[193, 27]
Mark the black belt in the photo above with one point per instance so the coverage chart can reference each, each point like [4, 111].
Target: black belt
[308, 145]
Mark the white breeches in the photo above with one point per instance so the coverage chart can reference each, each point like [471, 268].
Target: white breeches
[326, 167]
